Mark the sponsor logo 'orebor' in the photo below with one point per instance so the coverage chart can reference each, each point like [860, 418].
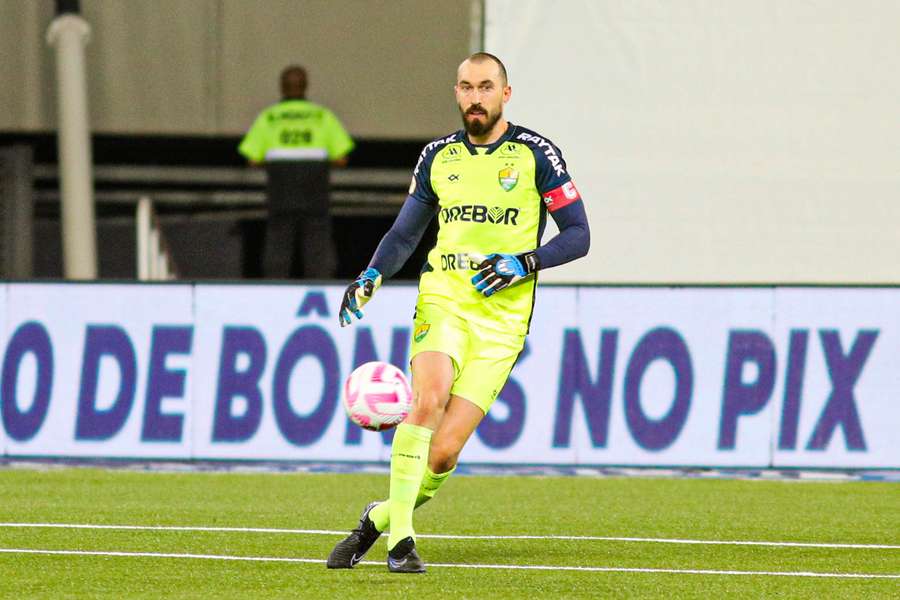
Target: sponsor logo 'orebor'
[478, 213]
[458, 261]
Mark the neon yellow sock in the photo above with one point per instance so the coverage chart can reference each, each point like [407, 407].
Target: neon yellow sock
[430, 484]
[381, 514]
[409, 460]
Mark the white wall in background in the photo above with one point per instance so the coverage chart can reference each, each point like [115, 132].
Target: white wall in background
[718, 140]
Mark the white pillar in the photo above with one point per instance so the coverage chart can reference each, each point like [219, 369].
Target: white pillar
[154, 254]
[69, 33]
[143, 223]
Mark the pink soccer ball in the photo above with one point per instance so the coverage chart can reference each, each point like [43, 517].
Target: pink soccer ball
[377, 396]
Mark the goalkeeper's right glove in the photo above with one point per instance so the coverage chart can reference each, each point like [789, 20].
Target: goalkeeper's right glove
[357, 294]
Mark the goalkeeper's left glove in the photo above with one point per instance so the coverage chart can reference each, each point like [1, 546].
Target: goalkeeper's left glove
[499, 271]
[357, 294]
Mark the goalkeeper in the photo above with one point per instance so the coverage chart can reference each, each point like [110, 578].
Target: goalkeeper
[491, 186]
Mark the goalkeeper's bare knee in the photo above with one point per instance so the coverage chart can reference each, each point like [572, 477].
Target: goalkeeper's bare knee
[428, 408]
[442, 456]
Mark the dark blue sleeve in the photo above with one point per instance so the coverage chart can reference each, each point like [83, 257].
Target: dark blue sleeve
[573, 239]
[401, 240]
[562, 200]
[550, 166]
[420, 187]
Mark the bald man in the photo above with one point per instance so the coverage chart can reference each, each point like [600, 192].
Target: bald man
[490, 185]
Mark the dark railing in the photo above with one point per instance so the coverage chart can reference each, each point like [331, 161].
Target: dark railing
[220, 191]
[211, 204]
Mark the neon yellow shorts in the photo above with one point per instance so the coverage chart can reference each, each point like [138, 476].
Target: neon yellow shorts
[482, 358]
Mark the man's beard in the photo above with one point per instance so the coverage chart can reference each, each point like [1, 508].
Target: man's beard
[478, 127]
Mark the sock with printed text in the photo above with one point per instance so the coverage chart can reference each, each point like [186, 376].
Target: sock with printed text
[409, 461]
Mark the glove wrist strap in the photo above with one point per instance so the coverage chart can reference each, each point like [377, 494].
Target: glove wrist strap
[530, 261]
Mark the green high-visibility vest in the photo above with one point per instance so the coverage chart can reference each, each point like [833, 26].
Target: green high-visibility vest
[296, 129]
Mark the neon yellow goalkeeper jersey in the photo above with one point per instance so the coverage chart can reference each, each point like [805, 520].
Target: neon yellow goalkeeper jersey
[489, 199]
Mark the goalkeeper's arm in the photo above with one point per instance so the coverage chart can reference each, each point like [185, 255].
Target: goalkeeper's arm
[392, 253]
[573, 240]
[401, 240]
[498, 271]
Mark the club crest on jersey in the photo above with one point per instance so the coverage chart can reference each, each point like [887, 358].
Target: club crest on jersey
[421, 331]
[508, 178]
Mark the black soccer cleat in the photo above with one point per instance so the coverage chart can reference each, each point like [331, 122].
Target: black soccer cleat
[352, 548]
[403, 558]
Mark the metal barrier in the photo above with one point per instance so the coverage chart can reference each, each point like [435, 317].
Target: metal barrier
[223, 190]
[154, 260]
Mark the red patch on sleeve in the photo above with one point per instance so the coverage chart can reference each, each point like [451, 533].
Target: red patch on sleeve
[564, 195]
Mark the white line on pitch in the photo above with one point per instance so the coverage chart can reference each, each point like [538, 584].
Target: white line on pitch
[463, 537]
[455, 565]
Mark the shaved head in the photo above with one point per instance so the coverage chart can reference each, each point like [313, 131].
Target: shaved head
[481, 91]
[481, 57]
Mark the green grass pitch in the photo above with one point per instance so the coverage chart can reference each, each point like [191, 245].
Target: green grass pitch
[866, 513]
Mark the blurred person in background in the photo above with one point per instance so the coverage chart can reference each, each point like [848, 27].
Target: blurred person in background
[491, 186]
[297, 141]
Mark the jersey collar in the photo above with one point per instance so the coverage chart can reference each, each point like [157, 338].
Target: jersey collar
[473, 148]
